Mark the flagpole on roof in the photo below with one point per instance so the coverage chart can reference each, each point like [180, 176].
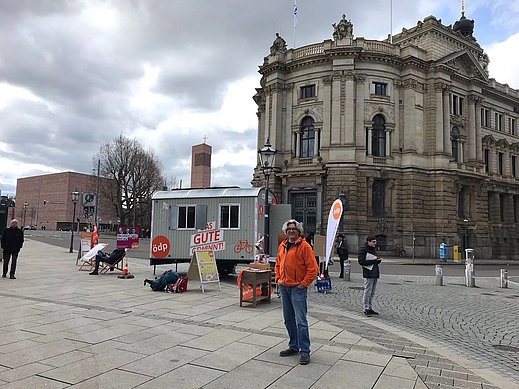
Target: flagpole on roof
[295, 21]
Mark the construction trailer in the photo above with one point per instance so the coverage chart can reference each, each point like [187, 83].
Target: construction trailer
[227, 221]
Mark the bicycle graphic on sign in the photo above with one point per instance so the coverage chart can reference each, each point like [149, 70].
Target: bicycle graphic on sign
[243, 245]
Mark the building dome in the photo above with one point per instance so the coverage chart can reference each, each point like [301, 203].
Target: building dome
[464, 25]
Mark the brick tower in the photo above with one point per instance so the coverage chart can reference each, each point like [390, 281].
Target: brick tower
[201, 166]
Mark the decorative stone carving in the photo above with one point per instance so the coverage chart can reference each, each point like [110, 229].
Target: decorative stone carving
[419, 24]
[483, 62]
[279, 45]
[350, 76]
[289, 87]
[380, 228]
[360, 78]
[343, 29]
[336, 76]
[299, 113]
[372, 109]
[410, 83]
[439, 86]
[327, 80]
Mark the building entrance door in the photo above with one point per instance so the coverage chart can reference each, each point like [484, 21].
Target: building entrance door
[304, 209]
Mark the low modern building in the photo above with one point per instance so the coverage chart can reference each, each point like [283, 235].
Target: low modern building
[46, 201]
[410, 132]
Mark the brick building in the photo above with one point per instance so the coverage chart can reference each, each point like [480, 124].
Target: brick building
[201, 166]
[49, 200]
[411, 132]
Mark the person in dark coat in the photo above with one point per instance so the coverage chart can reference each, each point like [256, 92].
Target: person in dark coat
[342, 252]
[12, 242]
[370, 273]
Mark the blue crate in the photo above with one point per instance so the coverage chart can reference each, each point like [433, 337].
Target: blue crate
[324, 285]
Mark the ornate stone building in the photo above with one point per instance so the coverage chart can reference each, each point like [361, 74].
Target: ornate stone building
[413, 135]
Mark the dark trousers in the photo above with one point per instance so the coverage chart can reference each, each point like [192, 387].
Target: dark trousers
[100, 257]
[342, 259]
[14, 258]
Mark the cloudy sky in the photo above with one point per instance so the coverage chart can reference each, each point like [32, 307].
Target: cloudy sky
[75, 74]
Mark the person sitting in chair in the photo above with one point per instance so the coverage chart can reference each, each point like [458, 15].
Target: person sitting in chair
[111, 259]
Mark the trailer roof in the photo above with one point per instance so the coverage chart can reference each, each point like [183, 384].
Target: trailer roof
[211, 192]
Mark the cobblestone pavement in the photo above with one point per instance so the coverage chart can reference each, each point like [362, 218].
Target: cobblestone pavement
[481, 324]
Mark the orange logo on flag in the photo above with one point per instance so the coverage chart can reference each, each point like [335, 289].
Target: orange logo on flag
[336, 211]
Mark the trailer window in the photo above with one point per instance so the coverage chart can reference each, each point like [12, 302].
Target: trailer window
[186, 216]
[230, 216]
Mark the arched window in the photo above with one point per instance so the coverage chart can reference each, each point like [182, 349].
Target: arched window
[307, 137]
[378, 138]
[455, 137]
[378, 196]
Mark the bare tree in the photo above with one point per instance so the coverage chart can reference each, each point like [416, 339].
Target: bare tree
[136, 174]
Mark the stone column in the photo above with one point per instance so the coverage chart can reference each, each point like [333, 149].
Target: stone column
[327, 114]
[388, 143]
[349, 114]
[317, 133]
[472, 127]
[370, 141]
[336, 109]
[410, 86]
[276, 125]
[268, 112]
[396, 132]
[287, 127]
[438, 89]
[360, 131]
[479, 136]
[298, 144]
[446, 121]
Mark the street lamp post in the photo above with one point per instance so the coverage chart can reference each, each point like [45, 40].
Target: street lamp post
[75, 197]
[25, 205]
[267, 155]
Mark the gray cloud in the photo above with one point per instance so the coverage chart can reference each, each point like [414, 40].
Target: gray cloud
[84, 72]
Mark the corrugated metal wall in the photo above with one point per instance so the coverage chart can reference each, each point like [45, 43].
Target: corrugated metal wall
[180, 239]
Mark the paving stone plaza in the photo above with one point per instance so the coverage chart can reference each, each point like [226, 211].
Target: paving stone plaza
[65, 329]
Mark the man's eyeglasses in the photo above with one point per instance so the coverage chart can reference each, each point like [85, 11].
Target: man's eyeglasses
[291, 229]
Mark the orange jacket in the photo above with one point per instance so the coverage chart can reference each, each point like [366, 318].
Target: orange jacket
[296, 265]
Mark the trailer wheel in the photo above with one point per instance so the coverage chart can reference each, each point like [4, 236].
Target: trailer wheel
[226, 268]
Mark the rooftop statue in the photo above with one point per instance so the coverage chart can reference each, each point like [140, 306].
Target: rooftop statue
[279, 45]
[343, 29]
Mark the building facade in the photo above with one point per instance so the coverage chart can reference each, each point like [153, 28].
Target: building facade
[410, 132]
[49, 203]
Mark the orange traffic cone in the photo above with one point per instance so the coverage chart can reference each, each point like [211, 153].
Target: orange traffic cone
[126, 272]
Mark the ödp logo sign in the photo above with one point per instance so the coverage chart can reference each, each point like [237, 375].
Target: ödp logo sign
[160, 246]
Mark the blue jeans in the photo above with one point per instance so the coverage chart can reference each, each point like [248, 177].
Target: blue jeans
[293, 301]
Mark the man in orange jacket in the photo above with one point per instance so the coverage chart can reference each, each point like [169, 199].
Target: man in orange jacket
[295, 271]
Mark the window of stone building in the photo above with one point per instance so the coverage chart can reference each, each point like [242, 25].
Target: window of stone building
[307, 138]
[378, 138]
[500, 163]
[511, 125]
[378, 195]
[457, 105]
[455, 137]
[379, 88]
[512, 165]
[487, 160]
[496, 121]
[485, 117]
[461, 204]
[308, 91]
[500, 122]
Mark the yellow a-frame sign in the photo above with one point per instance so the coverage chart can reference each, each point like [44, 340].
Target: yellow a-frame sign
[203, 266]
